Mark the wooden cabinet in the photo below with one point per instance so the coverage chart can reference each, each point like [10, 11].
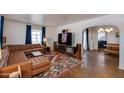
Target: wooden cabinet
[74, 51]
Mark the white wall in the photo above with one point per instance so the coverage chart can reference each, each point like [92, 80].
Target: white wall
[51, 35]
[16, 32]
[93, 38]
[116, 20]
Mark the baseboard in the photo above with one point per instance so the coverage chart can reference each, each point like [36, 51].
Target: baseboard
[121, 68]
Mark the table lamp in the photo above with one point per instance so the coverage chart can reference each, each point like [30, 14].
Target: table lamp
[45, 41]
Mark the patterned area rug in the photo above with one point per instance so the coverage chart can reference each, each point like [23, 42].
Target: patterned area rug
[60, 64]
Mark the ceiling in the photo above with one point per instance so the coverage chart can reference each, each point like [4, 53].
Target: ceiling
[51, 19]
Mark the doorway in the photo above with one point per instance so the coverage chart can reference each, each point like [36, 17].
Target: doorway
[102, 40]
[90, 39]
[99, 37]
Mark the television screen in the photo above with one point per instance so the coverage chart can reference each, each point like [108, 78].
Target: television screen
[65, 38]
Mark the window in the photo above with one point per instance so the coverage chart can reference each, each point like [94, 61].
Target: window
[102, 36]
[36, 36]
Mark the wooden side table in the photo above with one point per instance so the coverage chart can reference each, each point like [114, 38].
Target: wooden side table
[46, 49]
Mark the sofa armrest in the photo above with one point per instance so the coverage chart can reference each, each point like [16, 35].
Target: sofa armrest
[26, 68]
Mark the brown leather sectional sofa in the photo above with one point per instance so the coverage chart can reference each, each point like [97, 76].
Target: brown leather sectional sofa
[14, 55]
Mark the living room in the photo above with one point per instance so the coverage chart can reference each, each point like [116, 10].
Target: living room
[61, 46]
[16, 29]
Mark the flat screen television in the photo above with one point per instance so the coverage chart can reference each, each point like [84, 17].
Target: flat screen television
[65, 38]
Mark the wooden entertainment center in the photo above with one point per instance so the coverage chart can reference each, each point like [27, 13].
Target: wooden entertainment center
[64, 45]
[74, 51]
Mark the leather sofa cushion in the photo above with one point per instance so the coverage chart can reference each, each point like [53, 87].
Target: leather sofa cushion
[40, 70]
[16, 57]
[38, 62]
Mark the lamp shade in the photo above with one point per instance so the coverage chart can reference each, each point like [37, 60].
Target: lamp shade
[44, 39]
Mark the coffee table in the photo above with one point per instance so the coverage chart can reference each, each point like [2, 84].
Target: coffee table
[33, 54]
[36, 53]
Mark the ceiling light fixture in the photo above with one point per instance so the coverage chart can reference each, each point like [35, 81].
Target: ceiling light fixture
[101, 30]
[111, 29]
[106, 30]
